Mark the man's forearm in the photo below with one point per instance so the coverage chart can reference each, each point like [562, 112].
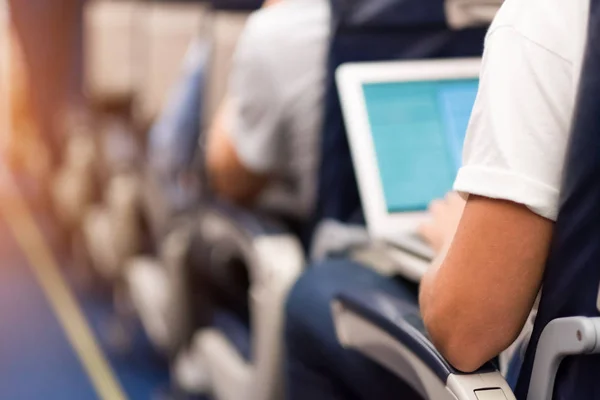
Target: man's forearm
[476, 301]
[428, 281]
[228, 177]
[235, 185]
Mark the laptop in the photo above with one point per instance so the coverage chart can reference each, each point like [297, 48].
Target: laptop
[406, 122]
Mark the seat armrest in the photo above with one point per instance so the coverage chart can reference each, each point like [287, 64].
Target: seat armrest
[274, 259]
[562, 337]
[269, 248]
[251, 223]
[391, 332]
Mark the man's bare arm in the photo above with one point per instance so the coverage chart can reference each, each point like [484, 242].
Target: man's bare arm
[228, 177]
[476, 298]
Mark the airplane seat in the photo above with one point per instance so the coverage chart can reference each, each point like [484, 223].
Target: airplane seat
[133, 49]
[167, 195]
[72, 191]
[171, 194]
[115, 229]
[237, 5]
[401, 30]
[109, 28]
[168, 187]
[167, 30]
[363, 31]
[274, 258]
[226, 25]
[110, 230]
[561, 360]
[117, 52]
[408, 30]
[570, 294]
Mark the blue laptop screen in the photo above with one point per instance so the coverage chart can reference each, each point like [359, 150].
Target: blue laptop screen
[418, 131]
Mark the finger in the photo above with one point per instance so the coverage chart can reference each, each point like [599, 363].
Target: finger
[436, 206]
[427, 230]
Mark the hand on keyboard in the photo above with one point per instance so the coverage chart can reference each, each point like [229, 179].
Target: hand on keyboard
[444, 217]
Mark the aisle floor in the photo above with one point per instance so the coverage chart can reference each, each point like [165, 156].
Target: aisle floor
[40, 356]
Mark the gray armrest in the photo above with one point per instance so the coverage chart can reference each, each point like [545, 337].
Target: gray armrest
[391, 332]
[271, 251]
[560, 338]
[274, 258]
[247, 222]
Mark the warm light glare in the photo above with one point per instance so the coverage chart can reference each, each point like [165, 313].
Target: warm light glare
[4, 66]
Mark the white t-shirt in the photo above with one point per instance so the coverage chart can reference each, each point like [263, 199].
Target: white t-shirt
[516, 139]
[277, 89]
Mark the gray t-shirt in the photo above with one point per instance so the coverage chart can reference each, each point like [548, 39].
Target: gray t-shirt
[276, 89]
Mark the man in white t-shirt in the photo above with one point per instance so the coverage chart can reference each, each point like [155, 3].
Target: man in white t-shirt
[493, 240]
[263, 148]
[511, 175]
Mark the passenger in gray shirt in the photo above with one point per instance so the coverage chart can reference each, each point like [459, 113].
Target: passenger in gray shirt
[263, 147]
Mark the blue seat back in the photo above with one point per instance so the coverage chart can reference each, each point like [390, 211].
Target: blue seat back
[572, 273]
[173, 138]
[236, 5]
[375, 30]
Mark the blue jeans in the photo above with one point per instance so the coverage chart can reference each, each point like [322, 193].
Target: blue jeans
[317, 367]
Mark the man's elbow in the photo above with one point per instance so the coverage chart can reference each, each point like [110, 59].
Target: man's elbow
[464, 341]
[462, 353]
[221, 183]
[229, 181]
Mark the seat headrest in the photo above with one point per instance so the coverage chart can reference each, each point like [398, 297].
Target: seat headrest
[398, 14]
[236, 5]
[390, 14]
[227, 26]
[572, 276]
[377, 30]
[462, 14]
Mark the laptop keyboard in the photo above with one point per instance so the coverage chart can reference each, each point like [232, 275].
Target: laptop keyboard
[414, 244]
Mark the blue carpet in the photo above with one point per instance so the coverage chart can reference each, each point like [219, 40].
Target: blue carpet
[36, 359]
[142, 373]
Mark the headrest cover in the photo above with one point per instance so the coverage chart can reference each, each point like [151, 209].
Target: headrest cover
[462, 14]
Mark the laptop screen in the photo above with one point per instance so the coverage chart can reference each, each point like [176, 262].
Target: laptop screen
[418, 131]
